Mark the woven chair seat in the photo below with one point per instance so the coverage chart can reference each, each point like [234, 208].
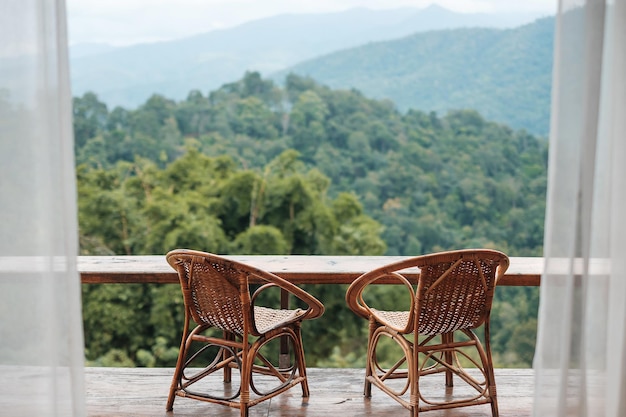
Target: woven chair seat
[397, 319]
[267, 319]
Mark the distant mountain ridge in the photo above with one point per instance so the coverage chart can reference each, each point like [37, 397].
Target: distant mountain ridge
[127, 76]
[505, 74]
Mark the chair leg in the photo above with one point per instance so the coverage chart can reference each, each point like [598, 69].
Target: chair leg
[491, 380]
[494, 406]
[300, 360]
[413, 365]
[367, 389]
[225, 355]
[247, 361]
[369, 362]
[488, 365]
[448, 357]
[491, 386]
[182, 353]
[173, 387]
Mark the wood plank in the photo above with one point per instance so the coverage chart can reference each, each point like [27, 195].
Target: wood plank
[139, 392]
[524, 271]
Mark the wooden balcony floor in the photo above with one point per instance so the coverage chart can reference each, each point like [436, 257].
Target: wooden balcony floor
[140, 392]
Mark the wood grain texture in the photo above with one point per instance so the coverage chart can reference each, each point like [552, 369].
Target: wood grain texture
[139, 392]
[297, 269]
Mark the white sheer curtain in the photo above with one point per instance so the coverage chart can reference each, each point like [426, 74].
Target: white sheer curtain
[41, 340]
[580, 362]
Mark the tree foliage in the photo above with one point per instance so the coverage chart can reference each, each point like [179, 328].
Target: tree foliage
[253, 168]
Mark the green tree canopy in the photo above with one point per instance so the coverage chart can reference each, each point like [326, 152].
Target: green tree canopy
[303, 169]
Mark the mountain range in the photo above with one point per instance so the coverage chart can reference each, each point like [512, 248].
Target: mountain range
[310, 44]
[505, 74]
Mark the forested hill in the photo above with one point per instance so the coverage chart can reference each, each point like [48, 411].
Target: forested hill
[434, 182]
[504, 74]
[127, 76]
[254, 168]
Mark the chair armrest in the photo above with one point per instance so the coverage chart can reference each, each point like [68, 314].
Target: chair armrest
[354, 294]
[315, 307]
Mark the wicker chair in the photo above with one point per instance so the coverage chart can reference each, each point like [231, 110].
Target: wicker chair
[435, 336]
[217, 297]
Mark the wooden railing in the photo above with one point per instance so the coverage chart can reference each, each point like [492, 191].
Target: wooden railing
[298, 269]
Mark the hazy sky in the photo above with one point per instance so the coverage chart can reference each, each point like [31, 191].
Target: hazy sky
[123, 22]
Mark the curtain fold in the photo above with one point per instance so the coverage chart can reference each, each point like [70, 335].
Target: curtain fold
[579, 360]
[41, 339]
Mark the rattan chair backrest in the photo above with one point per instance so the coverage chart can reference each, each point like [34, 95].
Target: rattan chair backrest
[215, 291]
[456, 289]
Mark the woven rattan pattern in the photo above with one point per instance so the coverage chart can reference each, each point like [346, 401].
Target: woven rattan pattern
[267, 319]
[398, 319]
[459, 300]
[215, 291]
